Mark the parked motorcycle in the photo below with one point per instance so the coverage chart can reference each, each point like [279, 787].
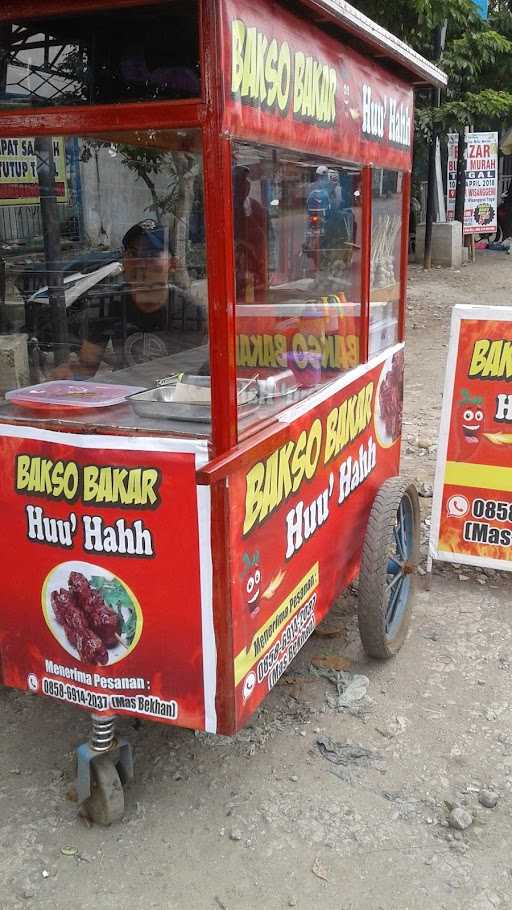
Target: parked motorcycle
[90, 283]
[505, 217]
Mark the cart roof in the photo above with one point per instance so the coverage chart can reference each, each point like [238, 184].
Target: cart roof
[356, 29]
[338, 17]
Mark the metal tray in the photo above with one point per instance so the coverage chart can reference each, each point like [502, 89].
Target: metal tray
[159, 404]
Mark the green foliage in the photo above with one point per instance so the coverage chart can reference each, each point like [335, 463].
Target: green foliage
[486, 108]
[477, 57]
[117, 598]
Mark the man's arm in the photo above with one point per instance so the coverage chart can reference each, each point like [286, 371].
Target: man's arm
[89, 360]
[90, 357]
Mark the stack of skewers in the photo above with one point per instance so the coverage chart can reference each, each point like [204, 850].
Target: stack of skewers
[385, 235]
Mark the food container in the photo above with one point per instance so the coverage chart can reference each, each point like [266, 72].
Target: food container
[277, 385]
[161, 403]
[59, 394]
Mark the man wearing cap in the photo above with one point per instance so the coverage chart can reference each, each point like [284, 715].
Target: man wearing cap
[139, 324]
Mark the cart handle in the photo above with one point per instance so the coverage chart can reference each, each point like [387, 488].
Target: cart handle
[244, 454]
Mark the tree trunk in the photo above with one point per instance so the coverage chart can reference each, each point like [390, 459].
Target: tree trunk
[186, 169]
[154, 195]
[460, 198]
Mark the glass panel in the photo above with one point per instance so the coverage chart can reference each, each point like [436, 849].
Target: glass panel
[385, 261]
[103, 256]
[297, 227]
[132, 54]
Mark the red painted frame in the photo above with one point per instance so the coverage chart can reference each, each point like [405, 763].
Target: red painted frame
[32, 9]
[366, 246]
[404, 259]
[220, 252]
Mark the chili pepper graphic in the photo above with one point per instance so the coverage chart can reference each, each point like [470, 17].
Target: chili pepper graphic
[251, 577]
[470, 424]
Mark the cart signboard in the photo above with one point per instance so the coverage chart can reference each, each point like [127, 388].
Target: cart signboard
[299, 87]
[472, 509]
[104, 603]
[18, 171]
[481, 205]
[289, 515]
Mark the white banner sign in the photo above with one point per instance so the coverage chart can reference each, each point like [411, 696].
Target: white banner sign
[480, 210]
[481, 203]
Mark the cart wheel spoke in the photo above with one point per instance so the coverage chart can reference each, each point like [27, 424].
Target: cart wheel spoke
[395, 603]
[397, 580]
[402, 530]
[398, 542]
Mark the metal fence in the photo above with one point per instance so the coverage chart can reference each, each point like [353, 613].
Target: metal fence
[19, 222]
[23, 222]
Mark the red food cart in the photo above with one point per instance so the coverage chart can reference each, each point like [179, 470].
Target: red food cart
[204, 214]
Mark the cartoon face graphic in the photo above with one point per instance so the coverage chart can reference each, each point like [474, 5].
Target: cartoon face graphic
[472, 417]
[473, 421]
[253, 588]
[251, 579]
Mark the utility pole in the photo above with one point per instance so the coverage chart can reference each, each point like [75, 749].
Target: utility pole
[438, 42]
[51, 236]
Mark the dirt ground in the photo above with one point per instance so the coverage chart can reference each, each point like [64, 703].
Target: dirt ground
[263, 820]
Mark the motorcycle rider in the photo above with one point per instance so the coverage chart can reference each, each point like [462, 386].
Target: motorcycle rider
[322, 194]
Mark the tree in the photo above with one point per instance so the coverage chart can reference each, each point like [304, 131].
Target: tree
[172, 206]
[477, 57]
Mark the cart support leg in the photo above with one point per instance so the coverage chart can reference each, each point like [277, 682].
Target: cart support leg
[102, 741]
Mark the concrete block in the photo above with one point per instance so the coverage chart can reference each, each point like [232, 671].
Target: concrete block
[447, 244]
[14, 364]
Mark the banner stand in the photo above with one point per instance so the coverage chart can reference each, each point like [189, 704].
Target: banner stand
[472, 502]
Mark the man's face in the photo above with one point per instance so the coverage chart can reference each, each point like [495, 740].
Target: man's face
[147, 272]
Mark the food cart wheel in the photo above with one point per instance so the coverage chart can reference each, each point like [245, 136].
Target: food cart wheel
[388, 567]
[105, 805]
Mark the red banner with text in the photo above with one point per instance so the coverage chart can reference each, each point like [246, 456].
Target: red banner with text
[472, 509]
[288, 82]
[102, 600]
[298, 517]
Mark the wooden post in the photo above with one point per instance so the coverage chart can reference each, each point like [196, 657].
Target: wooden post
[51, 237]
[438, 41]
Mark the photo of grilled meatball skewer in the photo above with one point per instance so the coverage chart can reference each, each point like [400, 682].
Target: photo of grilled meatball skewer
[91, 612]
[90, 647]
[102, 620]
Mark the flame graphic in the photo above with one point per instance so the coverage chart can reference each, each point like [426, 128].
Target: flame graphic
[274, 585]
[499, 439]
